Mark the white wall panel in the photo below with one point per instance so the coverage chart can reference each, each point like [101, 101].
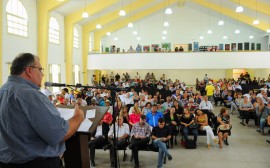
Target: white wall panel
[192, 60]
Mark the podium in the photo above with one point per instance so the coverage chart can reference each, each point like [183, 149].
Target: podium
[77, 151]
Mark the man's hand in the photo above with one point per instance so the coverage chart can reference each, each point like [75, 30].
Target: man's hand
[79, 112]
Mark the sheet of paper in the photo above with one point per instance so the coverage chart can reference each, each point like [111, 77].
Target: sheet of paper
[90, 113]
[66, 113]
[85, 125]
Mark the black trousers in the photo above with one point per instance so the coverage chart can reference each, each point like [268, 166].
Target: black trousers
[120, 145]
[99, 142]
[217, 99]
[138, 144]
[248, 115]
[52, 162]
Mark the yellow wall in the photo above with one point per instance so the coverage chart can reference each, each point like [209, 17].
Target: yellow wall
[229, 73]
[251, 72]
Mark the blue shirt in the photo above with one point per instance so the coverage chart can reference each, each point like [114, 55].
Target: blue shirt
[30, 126]
[152, 120]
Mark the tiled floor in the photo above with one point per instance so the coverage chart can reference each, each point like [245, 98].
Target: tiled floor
[247, 149]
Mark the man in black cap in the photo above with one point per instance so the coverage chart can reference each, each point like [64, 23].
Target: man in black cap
[140, 136]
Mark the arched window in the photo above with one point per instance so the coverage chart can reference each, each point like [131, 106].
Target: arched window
[54, 36]
[75, 38]
[17, 18]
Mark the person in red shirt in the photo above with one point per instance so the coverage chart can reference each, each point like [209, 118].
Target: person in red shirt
[135, 116]
[107, 118]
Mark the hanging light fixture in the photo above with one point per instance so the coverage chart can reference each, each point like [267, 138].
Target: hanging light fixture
[85, 14]
[225, 30]
[166, 24]
[138, 37]
[268, 30]
[209, 31]
[164, 32]
[201, 36]
[135, 32]
[98, 26]
[130, 24]
[239, 8]
[237, 31]
[256, 21]
[168, 10]
[108, 32]
[163, 37]
[251, 33]
[122, 11]
[220, 22]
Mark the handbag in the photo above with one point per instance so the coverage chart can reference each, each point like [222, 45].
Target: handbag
[222, 128]
[190, 144]
[194, 126]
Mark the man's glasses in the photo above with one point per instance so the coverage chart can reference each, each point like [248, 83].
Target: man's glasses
[40, 69]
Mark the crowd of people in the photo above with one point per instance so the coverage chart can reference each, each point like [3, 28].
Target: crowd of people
[150, 104]
[149, 110]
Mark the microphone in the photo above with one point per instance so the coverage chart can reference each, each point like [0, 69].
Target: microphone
[49, 84]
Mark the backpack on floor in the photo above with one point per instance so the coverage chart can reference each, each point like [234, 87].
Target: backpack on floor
[190, 144]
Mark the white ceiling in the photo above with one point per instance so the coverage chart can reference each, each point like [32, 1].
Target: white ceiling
[74, 5]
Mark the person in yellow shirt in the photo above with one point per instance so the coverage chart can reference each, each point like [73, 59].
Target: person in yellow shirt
[210, 91]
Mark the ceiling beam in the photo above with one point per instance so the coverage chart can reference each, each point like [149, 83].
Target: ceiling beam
[72, 19]
[106, 19]
[261, 7]
[123, 23]
[112, 16]
[92, 9]
[232, 14]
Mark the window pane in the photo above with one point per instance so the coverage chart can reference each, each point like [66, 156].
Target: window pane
[16, 18]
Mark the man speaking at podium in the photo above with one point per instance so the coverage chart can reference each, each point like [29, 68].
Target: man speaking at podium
[32, 133]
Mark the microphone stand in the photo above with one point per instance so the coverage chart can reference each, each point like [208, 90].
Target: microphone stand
[115, 140]
[113, 94]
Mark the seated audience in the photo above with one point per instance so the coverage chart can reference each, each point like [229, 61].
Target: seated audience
[172, 121]
[262, 112]
[188, 125]
[140, 136]
[136, 107]
[122, 130]
[246, 111]
[229, 102]
[135, 116]
[178, 108]
[153, 116]
[217, 96]
[124, 114]
[98, 139]
[224, 127]
[161, 134]
[147, 108]
[202, 120]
